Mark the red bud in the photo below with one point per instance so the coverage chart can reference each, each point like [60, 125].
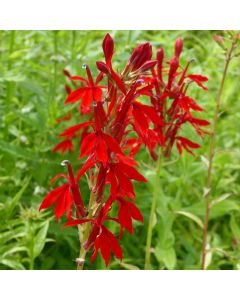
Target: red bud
[67, 73]
[108, 47]
[148, 65]
[102, 67]
[178, 47]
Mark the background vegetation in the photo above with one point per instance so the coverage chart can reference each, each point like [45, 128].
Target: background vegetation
[31, 98]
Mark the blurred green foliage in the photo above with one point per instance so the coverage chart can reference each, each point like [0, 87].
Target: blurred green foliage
[31, 98]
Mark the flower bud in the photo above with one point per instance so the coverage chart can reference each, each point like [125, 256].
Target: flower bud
[102, 67]
[147, 65]
[178, 47]
[108, 47]
[66, 73]
[140, 55]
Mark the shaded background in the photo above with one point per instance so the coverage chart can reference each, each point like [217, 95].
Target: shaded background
[31, 98]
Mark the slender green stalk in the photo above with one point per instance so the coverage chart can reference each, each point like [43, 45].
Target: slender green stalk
[9, 67]
[152, 213]
[84, 232]
[211, 157]
[73, 44]
[55, 61]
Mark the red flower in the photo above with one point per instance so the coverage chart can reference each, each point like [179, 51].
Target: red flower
[89, 93]
[64, 146]
[144, 105]
[101, 237]
[64, 196]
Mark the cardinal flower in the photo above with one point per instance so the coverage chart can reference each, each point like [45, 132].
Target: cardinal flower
[101, 238]
[65, 196]
[88, 93]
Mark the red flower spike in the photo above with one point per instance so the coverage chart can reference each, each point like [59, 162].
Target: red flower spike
[116, 125]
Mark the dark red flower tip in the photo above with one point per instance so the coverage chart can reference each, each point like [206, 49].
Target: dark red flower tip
[140, 55]
[108, 47]
[102, 67]
[178, 47]
[66, 73]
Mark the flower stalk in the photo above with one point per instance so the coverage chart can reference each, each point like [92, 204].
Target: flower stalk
[153, 210]
[229, 56]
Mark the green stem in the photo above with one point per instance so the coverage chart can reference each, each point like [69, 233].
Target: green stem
[84, 231]
[9, 67]
[73, 44]
[211, 157]
[152, 213]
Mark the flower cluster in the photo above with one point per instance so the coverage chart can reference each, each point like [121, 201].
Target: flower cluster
[144, 105]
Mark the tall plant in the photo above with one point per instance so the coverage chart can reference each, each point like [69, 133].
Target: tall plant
[144, 105]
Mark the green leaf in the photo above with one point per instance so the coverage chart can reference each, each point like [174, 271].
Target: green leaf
[191, 216]
[166, 256]
[220, 199]
[16, 151]
[235, 227]
[218, 210]
[12, 264]
[129, 266]
[12, 204]
[40, 240]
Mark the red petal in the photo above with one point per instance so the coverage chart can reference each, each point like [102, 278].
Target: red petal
[77, 222]
[187, 142]
[61, 204]
[64, 146]
[88, 144]
[117, 251]
[53, 196]
[118, 81]
[135, 212]
[101, 151]
[58, 176]
[88, 164]
[75, 95]
[97, 94]
[87, 100]
[131, 172]
[111, 143]
[79, 78]
[74, 129]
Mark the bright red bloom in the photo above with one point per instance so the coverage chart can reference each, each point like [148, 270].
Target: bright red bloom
[144, 105]
[64, 146]
[89, 93]
[65, 196]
